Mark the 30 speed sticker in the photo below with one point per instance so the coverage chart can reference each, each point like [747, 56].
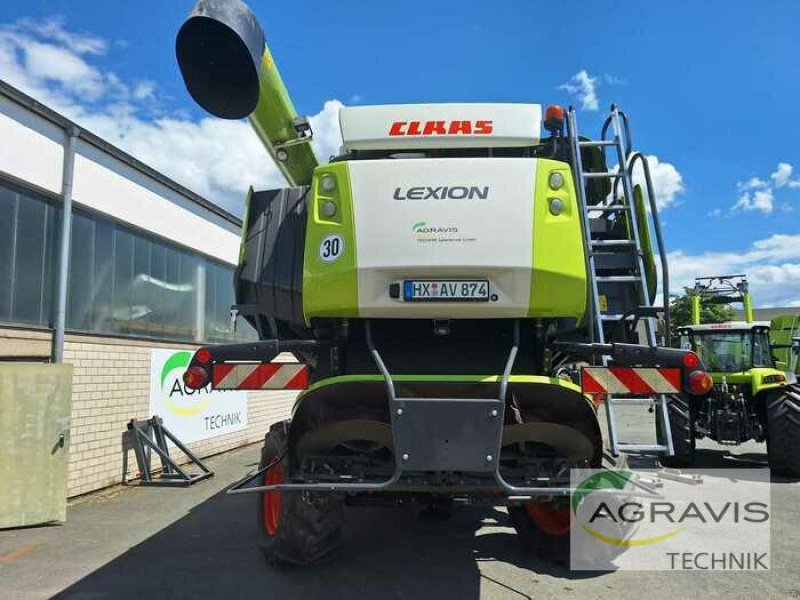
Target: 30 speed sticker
[331, 248]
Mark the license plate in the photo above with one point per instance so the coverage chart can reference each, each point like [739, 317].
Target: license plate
[446, 290]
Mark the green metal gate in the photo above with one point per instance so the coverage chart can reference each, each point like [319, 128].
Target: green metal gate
[35, 405]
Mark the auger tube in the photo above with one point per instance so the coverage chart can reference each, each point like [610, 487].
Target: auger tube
[228, 70]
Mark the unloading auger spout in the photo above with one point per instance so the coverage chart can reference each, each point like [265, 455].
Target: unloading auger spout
[229, 71]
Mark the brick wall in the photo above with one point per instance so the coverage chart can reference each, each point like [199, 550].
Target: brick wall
[111, 386]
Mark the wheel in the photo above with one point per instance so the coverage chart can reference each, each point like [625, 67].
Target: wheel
[783, 431]
[299, 528]
[543, 528]
[681, 423]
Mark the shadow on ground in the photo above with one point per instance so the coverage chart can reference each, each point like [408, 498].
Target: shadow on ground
[213, 552]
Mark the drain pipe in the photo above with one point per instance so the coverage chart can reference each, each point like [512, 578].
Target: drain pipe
[72, 134]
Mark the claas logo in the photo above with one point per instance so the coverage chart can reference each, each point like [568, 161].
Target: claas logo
[414, 128]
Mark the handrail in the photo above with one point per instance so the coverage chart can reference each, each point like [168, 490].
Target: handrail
[662, 254]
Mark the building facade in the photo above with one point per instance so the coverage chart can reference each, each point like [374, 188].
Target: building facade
[150, 273]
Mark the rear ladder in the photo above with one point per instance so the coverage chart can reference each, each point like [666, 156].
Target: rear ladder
[618, 254]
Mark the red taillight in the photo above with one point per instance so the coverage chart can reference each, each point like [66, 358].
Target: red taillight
[700, 383]
[203, 356]
[195, 378]
[691, 360]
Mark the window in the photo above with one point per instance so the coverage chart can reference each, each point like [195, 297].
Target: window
[122, 281]
[27, 243]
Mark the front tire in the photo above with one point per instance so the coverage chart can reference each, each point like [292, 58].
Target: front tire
[681, 423]
[783, 431]
[299, 528]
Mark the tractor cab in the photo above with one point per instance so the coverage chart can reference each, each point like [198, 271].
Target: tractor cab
[733, 347]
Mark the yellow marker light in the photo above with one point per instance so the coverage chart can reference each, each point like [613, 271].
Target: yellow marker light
[555, 180]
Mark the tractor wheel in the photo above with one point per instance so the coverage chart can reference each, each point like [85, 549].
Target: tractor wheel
[681, 423]
[299, 528]
[783, 431]
[543, 529]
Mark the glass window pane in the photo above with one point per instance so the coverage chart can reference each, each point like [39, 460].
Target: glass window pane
[122, 313]
[81, 274]
[52, 249]
[188, 295]
[158, 272]
[101, 318]
[8, 226]
[29, 261]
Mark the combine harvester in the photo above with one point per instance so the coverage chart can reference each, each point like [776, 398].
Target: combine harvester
[752, 399]
[460, 297]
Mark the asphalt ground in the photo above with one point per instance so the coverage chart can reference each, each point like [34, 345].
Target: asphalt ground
[199, 543]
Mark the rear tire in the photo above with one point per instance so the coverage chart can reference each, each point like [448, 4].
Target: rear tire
[783, 431]
[681, 423]
[543, 530]
[299, 528]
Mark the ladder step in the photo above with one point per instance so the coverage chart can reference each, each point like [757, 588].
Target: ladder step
[596, 143]
[641, 448]
[618, 279]
[610, 316]
[601, 243]
[633, 401]
[603, 175]
[612, 208]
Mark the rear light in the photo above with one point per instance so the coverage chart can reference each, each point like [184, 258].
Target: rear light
[700, 383]
[203, 356]
[691, 360]
[195, 378]
[776, 378]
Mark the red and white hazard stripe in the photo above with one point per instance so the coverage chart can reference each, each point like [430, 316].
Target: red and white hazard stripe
[630, 381]
[260, 376]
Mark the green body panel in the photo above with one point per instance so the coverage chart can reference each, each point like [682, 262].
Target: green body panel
[643, 226]
[330, 289]
[532, 379]
[747, 301]
[753, 377]
[558, 278]
[782, 330]
[519, 379]
[245, 225]
[273, 121]
[695, 310]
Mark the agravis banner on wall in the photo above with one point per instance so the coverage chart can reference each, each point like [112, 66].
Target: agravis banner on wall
[192, 415]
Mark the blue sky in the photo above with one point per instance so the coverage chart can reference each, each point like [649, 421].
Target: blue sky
[711, 89]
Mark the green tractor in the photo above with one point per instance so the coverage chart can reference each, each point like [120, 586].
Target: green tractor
[751, 399]
[455, 292]
[784, 333]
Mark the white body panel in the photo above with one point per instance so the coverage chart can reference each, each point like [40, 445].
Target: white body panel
[486, 235]
[419, 126]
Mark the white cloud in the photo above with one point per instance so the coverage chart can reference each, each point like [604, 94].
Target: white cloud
[754, 183]
[759, 194]
[772, 266]
[760, 200]
[584, 87]
[215, 158]
[667, 181]
[782, 177]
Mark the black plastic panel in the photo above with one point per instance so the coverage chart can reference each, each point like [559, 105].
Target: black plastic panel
[271, 274]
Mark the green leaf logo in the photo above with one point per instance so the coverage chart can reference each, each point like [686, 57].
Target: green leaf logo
[417, 226]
